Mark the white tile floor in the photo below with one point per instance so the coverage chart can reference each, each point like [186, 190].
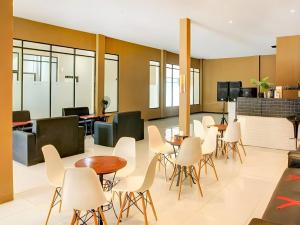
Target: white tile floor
[241, 193]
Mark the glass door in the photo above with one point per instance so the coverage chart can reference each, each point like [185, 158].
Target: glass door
[36, 83]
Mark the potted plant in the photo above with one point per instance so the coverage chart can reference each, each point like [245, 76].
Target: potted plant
[263, 86]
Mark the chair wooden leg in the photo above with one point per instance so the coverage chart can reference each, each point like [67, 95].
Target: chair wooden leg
[165, 165]
[51, 206]
[60, 202]
[144, 209]
[233, 150]
[197, 180]
[95, 218]
[200, 166]
[181, 180]
[205, 164]
[190, 176]
[238, 152]
[102, 216]
[77, 217]
[74, 218]
[241, 143]
[131, 196]
[159, 160]
[226, 151]
[120, 200]
[173, 176]
[213, 166]
[151, 204]
[122, 208]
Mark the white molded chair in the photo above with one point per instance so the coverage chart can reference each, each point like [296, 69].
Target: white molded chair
[136, 188]
[208, 147]
[189, 155]
[231, 139]
[242, 122]
[159, 147]
[55, 172]
[125, 148]
[199, 130]
[207, 121]
[82, 191]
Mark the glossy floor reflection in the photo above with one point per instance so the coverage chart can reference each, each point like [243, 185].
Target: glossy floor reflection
[241, 193]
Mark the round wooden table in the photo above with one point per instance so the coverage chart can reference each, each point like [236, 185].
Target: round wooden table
[102, 164]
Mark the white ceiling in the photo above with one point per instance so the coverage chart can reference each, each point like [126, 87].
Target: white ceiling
[254, 28]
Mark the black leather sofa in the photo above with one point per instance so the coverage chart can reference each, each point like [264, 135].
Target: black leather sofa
[284, 205]
[125, 124]
[62, 132]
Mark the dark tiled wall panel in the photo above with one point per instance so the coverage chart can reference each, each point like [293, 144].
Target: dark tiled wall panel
[268, 107]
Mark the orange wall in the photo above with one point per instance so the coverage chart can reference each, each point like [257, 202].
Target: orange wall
[42, 32]
[6, 34]
[288, 63]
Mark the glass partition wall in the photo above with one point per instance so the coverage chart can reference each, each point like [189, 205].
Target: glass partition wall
[43, 89]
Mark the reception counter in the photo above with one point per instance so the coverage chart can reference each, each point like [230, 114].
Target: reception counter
[264, 123]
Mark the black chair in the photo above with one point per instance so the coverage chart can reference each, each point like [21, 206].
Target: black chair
[62, 132]
[125, 124]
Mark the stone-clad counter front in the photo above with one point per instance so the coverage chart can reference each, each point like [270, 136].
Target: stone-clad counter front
[268, 107]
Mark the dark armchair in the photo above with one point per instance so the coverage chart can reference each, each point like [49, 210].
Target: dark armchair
[22, 116]
[62, 132]
[125, 124]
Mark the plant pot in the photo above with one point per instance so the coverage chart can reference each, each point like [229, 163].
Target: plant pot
[261, 95]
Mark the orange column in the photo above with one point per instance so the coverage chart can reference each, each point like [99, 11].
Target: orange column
[100, 52]
[185, 64]
[6, 35]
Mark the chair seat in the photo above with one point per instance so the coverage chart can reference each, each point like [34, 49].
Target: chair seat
[129, 184]
[163, 149]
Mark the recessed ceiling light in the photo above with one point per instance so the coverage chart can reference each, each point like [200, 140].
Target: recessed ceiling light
[292, 10]
[230, 21]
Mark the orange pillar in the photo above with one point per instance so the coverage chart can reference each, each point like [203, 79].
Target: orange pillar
[6, 35]
[185, 64]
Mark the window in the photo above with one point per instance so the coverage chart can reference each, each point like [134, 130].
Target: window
[172, 85]
[194, 86]
[43, 89]
[154, 85]
[111, 83]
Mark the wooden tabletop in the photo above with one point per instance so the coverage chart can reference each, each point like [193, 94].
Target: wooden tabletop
[102, 164]
[94, 116]
[175, 141]
[22, 124]
[221, 127]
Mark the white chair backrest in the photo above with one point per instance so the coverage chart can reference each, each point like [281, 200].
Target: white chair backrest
[125, 148]
[155, 139]
[199, 129]
[190, 151]
[233, 132]
[150, 175]
[210, 142]
[54, 165]
[207, 121]
[82, 190]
